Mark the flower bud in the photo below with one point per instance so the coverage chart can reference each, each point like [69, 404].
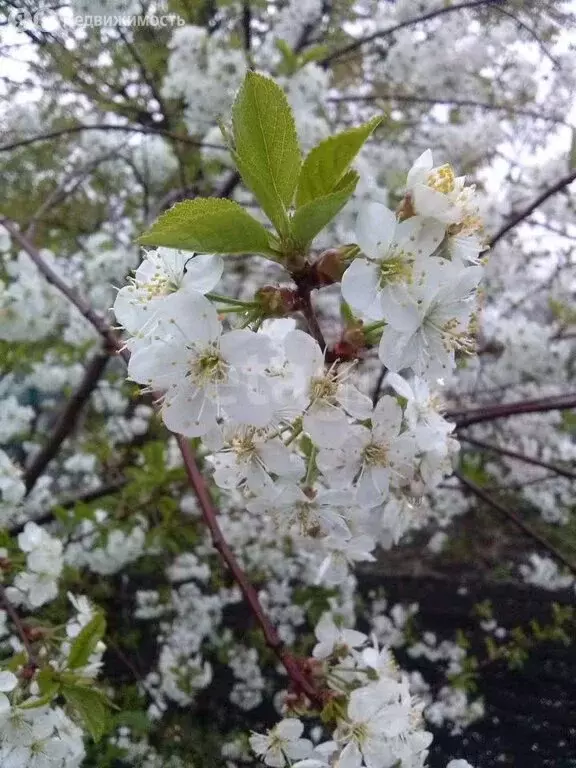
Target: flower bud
[275, 301]
[332, 263]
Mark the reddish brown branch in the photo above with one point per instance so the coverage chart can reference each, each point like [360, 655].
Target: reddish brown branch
[305, 306]
[517, 455]
[210, 518]
[515, 520]
[291, 664]
[504, 410]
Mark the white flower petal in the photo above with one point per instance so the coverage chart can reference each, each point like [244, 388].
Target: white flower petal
[420, 236]
[387, 418]
[327, 426]
[400, 385]
[303, 351]
[353, 401]
[190, 413]
[242, 347]
[290, 728]
[203, 272]
[420, 170]
[360, 287]
[8, 681]
[399, 308]
[398, 350]
[430, 202]
[375, 229]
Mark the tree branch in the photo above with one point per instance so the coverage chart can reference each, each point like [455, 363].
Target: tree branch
[457, 102]
[67, 187]
[210, 518]
[517, 455]
[518, 218]
[533, 34]
[515, 520]
[504, 410]
[378, 385]
[20, 629]
[96, 320]
[67, 419]
[247, 25]
[107, 127]
[197, 482]
[67, 503]
[403, 25]
[305, 305]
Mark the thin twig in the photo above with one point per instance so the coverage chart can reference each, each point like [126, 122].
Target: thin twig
[403, 25]
[518, 218]
[71, 501]
[457, 102]
[504, 410]
[68, 187]
[515, 520]
[228, 186]
[305, 305]
[67, 419]
[378, 385]
[519, 456]
[17, 621]
[107, 127]
[96, 320]
[247, 25]
[533, 34]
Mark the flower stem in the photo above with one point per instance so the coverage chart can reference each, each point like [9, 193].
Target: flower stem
[229, 300]
[311, 469]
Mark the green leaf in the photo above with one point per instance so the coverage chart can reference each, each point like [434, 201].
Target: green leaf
[46, 680]
[315, 53]
[85, 642]
[47, 698]
[312, 217]
[91, 706]
[329, 161]
[136, 720]
[266, 146]
[208, 225]
[289, 63]
[350, 177]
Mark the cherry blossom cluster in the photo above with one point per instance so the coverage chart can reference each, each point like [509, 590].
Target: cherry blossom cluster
[297, 436]
[373, 718]
[37, 583]
[35, 730]
[419, 275]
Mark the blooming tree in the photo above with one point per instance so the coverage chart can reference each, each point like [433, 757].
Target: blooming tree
[303, 372]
